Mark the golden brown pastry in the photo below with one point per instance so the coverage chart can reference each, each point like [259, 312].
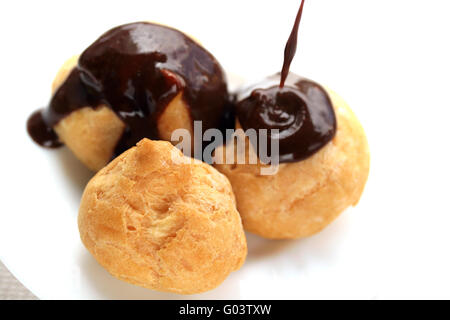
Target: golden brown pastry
[152, 220]
[304, 197]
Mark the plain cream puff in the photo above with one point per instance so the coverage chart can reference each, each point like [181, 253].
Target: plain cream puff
[157, 219]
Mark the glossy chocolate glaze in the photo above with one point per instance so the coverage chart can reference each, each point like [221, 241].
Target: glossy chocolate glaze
[299, 108]
[136, 70]
[302, 112]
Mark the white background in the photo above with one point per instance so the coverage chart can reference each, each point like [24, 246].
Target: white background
[388, 58]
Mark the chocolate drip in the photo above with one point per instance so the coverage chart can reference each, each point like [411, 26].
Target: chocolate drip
[136, 70]
[40, 132]
[301, 111]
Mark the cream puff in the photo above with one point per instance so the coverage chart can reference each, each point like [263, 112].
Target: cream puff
[158, 219]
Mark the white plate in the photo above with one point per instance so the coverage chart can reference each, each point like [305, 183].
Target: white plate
[393, 244]
[41, 245]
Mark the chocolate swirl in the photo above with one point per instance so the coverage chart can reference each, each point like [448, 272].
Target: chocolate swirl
[136, 70]
[302, 112]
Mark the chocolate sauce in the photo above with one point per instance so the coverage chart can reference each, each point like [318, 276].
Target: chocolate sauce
[136, 70]
[299, 108]
[301, 111]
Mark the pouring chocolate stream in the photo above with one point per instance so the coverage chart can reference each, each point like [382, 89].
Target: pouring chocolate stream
[298, 108]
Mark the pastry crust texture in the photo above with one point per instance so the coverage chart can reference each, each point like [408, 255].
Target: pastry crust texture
[92, 133]
[160, 220]
[302, 198]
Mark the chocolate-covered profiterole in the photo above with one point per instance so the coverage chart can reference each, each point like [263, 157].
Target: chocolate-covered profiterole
[319, 178]
[299, 108]
[136, 70]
